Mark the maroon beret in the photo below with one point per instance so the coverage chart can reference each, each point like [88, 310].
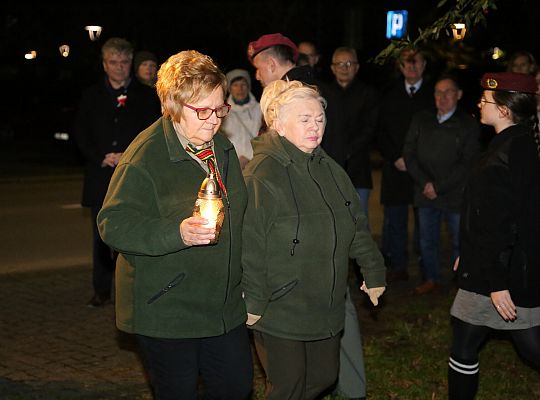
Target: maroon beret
[266, 41]
[509, 82]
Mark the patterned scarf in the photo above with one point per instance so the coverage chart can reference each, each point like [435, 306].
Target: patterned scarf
[207, 155]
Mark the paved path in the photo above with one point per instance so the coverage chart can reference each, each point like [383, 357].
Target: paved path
[54, 347]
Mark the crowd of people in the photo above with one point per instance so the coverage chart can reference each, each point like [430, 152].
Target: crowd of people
[294, 172]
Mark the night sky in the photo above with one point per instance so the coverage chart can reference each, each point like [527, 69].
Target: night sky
[221, 29]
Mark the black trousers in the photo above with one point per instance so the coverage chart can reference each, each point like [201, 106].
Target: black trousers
[295, 369]
[224, 363]
[104, 260]
[463, 366]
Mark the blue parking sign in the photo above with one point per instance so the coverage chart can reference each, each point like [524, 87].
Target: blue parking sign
[396, 24]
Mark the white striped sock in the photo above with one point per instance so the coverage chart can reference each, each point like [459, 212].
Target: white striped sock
[467, 369]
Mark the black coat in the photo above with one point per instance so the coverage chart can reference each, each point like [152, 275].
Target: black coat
[395, 114]
[441, 153]
[500, 220]
[352, 116]
[102, 127]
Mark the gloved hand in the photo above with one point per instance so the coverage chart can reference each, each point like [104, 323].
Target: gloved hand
[373, 293]
[252, 319]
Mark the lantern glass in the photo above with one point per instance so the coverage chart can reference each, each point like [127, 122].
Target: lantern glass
[209, 205]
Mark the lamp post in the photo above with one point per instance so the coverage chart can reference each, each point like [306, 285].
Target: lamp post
[459, 30]
[64, 50]
[209, 205]
[31, 55]
[94, 31]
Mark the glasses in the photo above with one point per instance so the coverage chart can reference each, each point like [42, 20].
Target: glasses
[205, 112]
[483, 100]
[344, 64]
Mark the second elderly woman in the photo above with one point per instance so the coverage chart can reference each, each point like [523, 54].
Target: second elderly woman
[179, 295]
[303, 222]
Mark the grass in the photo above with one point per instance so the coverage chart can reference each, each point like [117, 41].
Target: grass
[409, 360]
[406, 348]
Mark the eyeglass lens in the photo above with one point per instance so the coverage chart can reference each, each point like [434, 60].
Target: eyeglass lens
[345, 64]
[205, 113]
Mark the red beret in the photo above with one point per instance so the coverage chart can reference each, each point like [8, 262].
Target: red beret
[266, 41]
[509, 82]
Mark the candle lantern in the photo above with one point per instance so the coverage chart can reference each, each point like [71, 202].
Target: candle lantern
[209, 205]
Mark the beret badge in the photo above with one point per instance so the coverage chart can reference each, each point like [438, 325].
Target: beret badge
[492, 83]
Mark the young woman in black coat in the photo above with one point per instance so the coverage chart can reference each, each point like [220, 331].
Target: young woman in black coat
[499, 267]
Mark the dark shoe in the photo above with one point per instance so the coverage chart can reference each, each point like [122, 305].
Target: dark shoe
[99, 301]
[425, 288]
[395, 276]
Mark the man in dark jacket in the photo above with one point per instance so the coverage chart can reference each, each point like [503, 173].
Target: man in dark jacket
[399, 103]
[352, 115]
[110, 114]
[439, 149]
[274, 57]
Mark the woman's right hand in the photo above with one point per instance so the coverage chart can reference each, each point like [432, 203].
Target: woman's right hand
[194, 233]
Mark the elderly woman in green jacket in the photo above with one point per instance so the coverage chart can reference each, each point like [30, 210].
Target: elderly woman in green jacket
[180, 295]
[302, 224]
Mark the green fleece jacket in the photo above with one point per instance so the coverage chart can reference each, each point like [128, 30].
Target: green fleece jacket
[302, 223]
[165, 288]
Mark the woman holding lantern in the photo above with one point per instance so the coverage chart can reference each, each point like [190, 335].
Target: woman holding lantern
[178, 277]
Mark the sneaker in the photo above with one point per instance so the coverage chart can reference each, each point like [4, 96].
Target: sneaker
[425, 288]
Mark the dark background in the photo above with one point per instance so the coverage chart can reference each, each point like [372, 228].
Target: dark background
[40, 95]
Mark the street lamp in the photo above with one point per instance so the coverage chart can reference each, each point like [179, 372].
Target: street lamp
[459, 30]
[64, 50]
[93, 31]
[31, 55]
[497, 53]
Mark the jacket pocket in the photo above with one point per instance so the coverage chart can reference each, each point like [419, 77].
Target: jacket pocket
[169, 286]
[283, 290]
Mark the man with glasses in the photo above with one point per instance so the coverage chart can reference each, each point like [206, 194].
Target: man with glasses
[400, 101]
[352, 115]
[438, 151]
[110, 114]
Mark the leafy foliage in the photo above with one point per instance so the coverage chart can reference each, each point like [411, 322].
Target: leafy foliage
[470, 12]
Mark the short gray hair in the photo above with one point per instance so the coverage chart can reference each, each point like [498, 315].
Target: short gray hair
[118, 46]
